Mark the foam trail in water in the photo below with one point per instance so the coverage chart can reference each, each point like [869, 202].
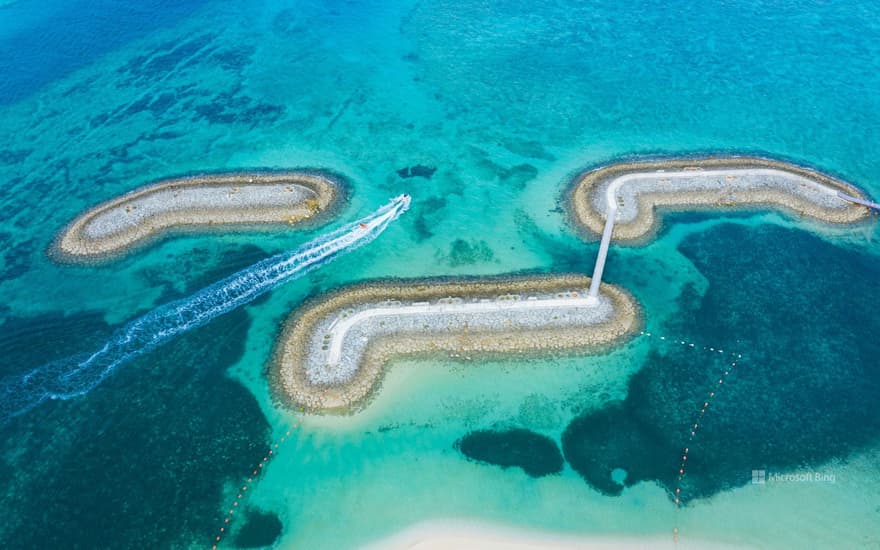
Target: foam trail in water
[77, 375]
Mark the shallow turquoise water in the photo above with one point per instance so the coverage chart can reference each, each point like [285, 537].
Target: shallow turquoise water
[508, 101]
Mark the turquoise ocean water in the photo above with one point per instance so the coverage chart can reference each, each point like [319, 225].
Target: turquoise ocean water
[508, 101]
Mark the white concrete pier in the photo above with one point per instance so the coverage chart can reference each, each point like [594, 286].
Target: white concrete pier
[628, 199]
[856, 200]
[602, 256]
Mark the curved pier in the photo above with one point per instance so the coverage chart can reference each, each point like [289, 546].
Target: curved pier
[239, 199]
[628, 194]
[332, 353]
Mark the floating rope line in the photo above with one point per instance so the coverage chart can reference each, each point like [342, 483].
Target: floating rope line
[251, 478]
[692, 345]
[693, 434]
[695, 425]
[260, 468]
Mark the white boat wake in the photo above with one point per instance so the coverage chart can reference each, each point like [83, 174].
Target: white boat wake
[74, 376]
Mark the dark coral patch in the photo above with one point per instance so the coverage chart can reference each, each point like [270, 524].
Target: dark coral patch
[162, 434]
[428, 213]
[166, 58]
[260, 529]
[536, 454]
[14, 156]
[234, 59]
[803, 314]
[462, 252]
[234, 106]
[417, 171]
[517, 176]
[614, 438]
[528, 148]
[16, 257]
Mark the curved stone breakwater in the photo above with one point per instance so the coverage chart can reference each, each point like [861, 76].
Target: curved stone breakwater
[331, 354]
[207, 201]
[638, 188]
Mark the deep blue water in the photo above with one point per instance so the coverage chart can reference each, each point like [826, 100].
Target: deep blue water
[71, 34]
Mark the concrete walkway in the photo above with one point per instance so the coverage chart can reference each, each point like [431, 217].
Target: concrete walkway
[341, 327]
[743, 178]
[869, 204]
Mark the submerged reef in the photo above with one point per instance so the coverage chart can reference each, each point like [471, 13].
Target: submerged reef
[166, 434]
[462, 252]
[536, 454]
[332, 353]
[614, 438]
[416, 171]
[242, 199]
[802, 317]
[260, 530]
[634, 190]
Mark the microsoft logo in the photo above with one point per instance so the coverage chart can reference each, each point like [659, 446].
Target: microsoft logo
[759, 477]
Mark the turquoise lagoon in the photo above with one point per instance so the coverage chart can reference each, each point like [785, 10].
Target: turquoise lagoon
[508, 101]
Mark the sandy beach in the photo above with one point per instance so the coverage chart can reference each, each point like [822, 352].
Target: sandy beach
[464, 535]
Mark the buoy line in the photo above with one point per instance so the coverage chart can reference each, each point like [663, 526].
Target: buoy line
[694, 427]
[689, 344]
[254, 474]
[251, 479]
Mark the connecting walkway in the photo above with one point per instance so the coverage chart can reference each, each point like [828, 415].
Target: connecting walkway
[856, 200]
[743, 180]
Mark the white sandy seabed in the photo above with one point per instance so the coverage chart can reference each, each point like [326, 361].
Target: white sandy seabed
[462, 535]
